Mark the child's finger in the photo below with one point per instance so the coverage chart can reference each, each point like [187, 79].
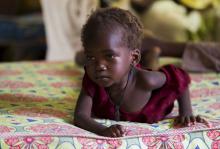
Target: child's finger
[187, 121]
[193, 119]
[120, 129]
[118, 133]
[114, 134]
[112, 131]
[182, 120]
[206, 122]
[198, 118]
[202, 120]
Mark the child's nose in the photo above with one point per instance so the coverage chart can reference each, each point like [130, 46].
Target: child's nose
[100, 66]
[103, 67]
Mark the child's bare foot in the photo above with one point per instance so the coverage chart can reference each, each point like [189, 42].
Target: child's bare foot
[150, 58]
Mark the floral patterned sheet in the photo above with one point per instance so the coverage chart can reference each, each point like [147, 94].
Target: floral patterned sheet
[37, 101]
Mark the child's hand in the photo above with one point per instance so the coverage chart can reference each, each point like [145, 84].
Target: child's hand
[113, 131]
[183, 121]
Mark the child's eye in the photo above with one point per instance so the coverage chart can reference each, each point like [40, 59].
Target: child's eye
[111, 56]
[90, 58]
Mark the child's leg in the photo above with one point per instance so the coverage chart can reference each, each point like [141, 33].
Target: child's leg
[150, 58]
[172, 49]
[202, 57]
[153, 48]
[196, 57]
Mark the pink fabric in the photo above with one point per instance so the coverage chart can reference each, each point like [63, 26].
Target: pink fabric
[159, 105]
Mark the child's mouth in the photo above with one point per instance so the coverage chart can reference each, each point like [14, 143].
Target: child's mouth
[102, 78]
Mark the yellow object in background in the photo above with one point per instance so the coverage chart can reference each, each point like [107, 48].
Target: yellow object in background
[197, 4]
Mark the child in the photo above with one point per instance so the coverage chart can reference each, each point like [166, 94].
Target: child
[115, 87]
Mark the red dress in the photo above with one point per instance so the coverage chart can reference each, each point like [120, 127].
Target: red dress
[159, 105]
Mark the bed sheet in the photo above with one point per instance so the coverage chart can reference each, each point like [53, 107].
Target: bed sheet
[37, 101]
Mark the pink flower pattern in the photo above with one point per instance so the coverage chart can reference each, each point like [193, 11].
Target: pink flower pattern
[136, 130]
[98, 143]
[29, 142]
[168, 142]
[4, 129]
[214, 135]
[55, 129]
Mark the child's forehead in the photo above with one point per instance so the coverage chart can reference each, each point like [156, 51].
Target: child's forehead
[110, 35]
[105, 37]
[107, 43]
[102, 52]
[109, 29]
[106, 33]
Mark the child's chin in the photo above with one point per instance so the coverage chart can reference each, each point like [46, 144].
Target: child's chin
[104, 84]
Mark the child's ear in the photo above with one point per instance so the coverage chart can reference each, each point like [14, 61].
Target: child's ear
[136, 56]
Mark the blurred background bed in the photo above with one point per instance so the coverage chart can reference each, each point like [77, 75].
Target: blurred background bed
[37, 101]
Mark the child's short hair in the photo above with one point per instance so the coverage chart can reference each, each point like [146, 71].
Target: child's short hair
[114, 18]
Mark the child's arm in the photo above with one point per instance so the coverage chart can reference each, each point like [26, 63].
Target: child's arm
[83, 119]
[185, 112]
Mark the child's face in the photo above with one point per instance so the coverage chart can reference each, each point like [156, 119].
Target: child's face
[108, 60]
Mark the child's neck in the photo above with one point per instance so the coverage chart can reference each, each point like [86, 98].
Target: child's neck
[121, 86]
[118, 94]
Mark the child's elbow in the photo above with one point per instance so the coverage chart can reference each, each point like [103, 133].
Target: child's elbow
[78, 118]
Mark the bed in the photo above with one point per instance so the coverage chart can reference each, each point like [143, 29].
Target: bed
[37, 101]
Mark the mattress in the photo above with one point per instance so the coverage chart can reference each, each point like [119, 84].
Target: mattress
[37, 101]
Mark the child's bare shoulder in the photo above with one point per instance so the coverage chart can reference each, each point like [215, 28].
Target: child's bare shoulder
[151, 79]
